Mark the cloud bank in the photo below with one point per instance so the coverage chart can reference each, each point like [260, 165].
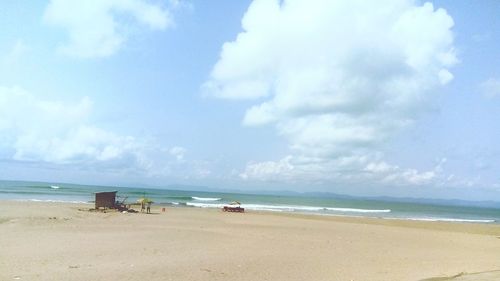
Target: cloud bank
[98, 28]
[51, 131]
[48, 133]
[336, 79]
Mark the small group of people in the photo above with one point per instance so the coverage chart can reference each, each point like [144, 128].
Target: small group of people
[147, 206]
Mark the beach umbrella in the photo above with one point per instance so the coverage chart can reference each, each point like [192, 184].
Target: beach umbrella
[235, 203]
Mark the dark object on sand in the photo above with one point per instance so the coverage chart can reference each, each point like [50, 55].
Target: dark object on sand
[105, 199]
[480, 276]
[234, 207]
[237, 209]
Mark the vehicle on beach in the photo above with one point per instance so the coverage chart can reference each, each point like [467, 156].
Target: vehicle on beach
[234, 206]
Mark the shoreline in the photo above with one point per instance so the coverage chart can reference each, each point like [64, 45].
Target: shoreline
[47, 241]
[293, 213]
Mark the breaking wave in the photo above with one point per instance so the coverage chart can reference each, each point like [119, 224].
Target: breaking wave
[53, 201]
[287, 208]
[205, 198]
[450, 220]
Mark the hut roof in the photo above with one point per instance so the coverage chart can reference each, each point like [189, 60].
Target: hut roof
[100, 192]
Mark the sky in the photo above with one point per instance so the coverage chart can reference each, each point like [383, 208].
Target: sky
[375, 98]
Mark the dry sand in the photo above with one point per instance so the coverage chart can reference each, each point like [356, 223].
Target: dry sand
[50, 241]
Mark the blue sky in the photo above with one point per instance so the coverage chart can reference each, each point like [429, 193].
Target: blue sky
[391, 97]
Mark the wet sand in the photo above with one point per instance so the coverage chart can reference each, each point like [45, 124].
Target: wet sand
[55, 241]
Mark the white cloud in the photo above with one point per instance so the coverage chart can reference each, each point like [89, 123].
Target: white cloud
[490, 88]
[269, 170]
[394, 175]
[48, 133]
[445, 76]
[352, 169]
[336, 78]
[178, 152]
[98, 28]
[181, 4]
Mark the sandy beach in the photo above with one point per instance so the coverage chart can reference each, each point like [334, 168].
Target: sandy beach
[56, 241]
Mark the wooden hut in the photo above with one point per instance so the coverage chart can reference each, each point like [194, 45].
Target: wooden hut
[105, 199]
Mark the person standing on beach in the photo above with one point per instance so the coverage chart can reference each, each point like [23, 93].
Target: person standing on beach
[142, 206]
[148, 210]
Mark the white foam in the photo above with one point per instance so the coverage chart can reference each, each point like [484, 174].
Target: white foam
[358, 210]
[53, 201]
[449, 220]
[204, 205]
[54, 187]
[340, 211]
[205, 198]
[288, 208]
[269, 210]
[281, 208]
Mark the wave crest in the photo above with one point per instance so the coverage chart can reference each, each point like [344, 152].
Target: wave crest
[286, 208]
[205, 198]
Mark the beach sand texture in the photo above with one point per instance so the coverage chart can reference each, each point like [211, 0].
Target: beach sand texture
[55, 241]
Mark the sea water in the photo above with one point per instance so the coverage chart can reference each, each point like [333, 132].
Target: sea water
[327, 205]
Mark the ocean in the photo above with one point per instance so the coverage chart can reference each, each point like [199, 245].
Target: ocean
[325, 205]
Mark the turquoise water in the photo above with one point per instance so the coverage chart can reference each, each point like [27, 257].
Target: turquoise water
[319, 205]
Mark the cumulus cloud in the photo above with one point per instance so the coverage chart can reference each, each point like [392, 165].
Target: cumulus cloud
[395, 175]
[356, 168]
[178, 152]
[269, 170]
[49, 132]
[336, 78]
[98, 28]
[490, 88]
